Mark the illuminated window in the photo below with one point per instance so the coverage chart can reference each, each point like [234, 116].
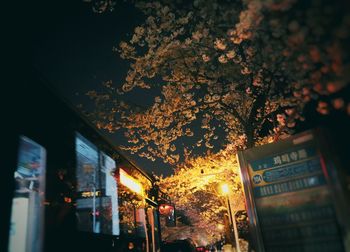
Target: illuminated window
[130, 182]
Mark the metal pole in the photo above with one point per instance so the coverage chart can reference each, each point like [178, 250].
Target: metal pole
[230, 220]
[229, 210]
[145, 228]
[94, 210]
[235, 231]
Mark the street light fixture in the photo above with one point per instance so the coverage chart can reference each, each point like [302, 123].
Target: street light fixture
[226, 191]
[220, 227]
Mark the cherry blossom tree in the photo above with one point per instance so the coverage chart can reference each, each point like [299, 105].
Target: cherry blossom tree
[228, 74]
[195, 190]
[224, 72]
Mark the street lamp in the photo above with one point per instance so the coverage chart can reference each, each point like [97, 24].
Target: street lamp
[220, 227]
[226, 191]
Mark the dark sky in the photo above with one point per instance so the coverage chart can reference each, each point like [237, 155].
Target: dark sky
[71, 46]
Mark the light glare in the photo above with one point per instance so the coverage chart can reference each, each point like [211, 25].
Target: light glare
[224, 188]
[130, 182]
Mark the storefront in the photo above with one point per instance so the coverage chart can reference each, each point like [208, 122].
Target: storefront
[139, 220]
[69, 188]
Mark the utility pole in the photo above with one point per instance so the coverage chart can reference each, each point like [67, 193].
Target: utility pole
[226, 192]
[233, 218]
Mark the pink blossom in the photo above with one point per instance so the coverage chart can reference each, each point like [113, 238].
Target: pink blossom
[205, 58]
[222, 59]
[220, 44]
[322, 108]
[332, 87]
[338, 103]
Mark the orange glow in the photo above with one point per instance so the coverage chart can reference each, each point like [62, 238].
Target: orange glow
[130, 182]
[165, 209]
[221, 227]
[90, 194]
[67, 200]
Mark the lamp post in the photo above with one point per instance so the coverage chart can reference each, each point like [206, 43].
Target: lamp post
[226, 191]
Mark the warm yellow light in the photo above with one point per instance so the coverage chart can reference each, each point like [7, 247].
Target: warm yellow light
[90, 194]
[220, 227]
[225, 189]
[130, 182]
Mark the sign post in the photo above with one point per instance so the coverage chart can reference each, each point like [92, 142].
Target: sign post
[290, 198]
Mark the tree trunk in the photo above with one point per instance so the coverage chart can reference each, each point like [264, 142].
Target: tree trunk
[249, 131]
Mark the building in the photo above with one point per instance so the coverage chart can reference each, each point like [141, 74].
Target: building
[69, 189]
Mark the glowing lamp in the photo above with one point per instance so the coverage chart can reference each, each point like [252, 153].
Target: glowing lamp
[130, 182]
[221, 227]
[225, 189]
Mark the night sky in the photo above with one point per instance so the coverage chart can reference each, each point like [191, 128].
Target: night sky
[71, 47]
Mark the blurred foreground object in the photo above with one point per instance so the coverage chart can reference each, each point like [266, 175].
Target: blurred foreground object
[296, 196]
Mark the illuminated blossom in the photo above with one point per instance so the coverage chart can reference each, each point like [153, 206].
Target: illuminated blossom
[205, 58]
[207, 68]
[222, 59]
[281, 119]
[338, 103]
[194, 190]
[230, 54]
[220, 44]
[323, 108]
